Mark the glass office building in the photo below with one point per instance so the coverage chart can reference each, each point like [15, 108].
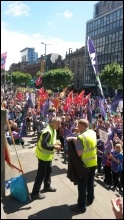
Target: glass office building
[106, 31]
[29, 54]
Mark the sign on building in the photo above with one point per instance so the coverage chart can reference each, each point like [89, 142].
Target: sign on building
[42, 65]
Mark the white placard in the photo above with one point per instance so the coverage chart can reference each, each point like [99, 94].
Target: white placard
[33, 98]
[103, 134]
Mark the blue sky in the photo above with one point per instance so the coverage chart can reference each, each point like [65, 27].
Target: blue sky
[28, 23]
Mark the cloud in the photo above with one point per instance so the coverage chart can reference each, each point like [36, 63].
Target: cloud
[66, 14]
[14, 42]
[50, 23]
[17, 8]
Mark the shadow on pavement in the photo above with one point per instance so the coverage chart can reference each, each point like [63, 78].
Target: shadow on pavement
[11, 205]
[32, 142]
[55, 212]
[30, 176]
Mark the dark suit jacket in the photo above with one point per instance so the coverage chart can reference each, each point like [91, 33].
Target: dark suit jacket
[76, 168]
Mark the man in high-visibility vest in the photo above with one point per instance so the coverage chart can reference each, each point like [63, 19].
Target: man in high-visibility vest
[86, 148]
[45, 150]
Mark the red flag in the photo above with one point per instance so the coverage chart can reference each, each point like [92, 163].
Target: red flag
[19, 96]
[76, 98]
[38, 81]
[85, 101]
[70, 97]
[80, 97]
[3, 60]
[41, 91]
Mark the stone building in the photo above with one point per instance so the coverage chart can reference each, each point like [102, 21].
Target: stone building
[75, 62]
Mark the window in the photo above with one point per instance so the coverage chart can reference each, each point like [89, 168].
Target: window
[109, 46]
[118, 13]
[107, 28]
[114, 16]
[111, 16]
[119, 56]
[121, 22]
[110, 26]
[113, 46]
[95, 32]
[117, 34]
[98, 31]
[121, 12]
[116, 46]
[114, 24]
[103, 39]
[117, 23]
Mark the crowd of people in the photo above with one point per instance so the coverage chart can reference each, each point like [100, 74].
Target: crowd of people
[24, 117]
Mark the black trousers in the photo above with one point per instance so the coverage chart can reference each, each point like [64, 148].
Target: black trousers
[86, 188]
[116, 181]
[108, 175]
[43, 174]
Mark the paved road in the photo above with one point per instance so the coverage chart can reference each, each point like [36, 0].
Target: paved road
[56, 205]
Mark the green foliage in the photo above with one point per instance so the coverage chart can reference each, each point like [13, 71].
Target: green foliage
[112, 76]
[38, 73]
[18, 78]
[57, 78]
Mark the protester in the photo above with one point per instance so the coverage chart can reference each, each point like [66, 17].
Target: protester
[117, 159]
[45, 150]
[85, 146]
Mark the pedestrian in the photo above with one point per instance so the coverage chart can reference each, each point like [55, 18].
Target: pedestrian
[86, 148]
[45, 150]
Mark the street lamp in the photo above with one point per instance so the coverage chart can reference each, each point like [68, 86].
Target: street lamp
[45, 55]
[45, 61]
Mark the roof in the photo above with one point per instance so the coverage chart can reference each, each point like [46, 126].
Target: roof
[27, 48]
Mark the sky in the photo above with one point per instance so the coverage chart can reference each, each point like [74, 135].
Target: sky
[61, 24]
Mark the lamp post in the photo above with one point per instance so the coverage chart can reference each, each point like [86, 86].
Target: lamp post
[45, 60]
[45, 55]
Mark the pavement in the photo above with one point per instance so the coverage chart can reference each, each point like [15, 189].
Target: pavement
[57, 204]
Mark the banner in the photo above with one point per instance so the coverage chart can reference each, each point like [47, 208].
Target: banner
[93, 58]
[3, 60]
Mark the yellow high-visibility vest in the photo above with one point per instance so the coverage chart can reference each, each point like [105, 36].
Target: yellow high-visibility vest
[41, 153]
[89, 142]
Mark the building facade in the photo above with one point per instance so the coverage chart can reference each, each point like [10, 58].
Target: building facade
[106, 31]
[29, 54]
[75, 62]
[53, 61]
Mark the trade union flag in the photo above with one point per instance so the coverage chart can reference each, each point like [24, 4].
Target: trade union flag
[3, 60]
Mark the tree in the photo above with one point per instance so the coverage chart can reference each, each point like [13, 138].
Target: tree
[18, 78]
[57, 78]
[112, 76]
[38, 73]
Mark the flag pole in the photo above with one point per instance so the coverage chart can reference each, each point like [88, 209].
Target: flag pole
[17, 157]
[4, 81]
